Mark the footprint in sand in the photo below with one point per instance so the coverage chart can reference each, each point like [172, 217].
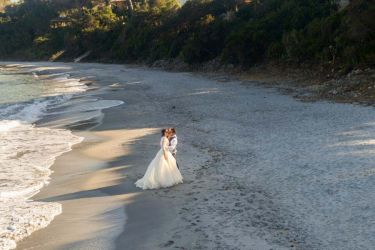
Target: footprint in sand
[169, 243]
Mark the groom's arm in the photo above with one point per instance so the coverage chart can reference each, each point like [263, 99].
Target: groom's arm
[173, 144]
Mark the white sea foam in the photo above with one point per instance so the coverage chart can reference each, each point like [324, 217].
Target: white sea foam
[27, 152]
[89, 105]
[20, 218]
[25, 112]
[69, 85]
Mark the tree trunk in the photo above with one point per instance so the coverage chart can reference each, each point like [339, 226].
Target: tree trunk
[130, 6]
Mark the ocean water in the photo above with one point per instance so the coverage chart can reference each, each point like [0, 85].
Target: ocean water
[27, 151]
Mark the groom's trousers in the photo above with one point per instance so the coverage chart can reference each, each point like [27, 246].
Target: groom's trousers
[175, 156]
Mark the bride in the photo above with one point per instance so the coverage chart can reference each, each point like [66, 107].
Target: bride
[162, 171]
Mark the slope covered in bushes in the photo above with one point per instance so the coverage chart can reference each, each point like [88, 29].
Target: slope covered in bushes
[232, 31]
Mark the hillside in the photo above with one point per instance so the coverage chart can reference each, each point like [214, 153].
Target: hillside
[231, 32]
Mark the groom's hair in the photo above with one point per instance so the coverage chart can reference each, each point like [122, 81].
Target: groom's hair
[173, 130]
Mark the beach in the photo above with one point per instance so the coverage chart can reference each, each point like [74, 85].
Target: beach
[261, 170]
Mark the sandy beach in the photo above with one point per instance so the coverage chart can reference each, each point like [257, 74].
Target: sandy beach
[261, 169]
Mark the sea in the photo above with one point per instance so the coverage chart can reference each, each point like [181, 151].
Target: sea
[37, 108]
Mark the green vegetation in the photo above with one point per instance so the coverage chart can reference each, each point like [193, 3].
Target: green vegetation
[3, 4]
[233, 31]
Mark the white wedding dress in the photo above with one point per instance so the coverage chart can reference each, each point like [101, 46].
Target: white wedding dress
[161, 172]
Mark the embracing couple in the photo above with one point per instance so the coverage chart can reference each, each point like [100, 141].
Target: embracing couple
[163, 170]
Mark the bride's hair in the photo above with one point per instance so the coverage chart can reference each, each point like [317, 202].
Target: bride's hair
[163, 132]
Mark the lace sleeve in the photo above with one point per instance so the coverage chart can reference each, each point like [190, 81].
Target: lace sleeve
[165, 144]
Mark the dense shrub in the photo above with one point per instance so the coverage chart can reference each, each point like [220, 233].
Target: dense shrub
[198, 31]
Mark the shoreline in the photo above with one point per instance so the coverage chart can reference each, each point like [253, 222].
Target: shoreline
[97, 178]
[28, 152]
[59, 117]
[246, 186]
[307, 82]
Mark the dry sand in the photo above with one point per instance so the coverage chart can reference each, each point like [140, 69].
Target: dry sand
[262, 170]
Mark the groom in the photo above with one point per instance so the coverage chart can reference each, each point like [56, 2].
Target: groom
[173, 143]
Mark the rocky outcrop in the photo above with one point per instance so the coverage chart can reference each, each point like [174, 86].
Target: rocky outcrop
[343, 3]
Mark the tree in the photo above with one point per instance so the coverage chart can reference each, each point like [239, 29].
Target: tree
[130, 6]
[3, 4]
